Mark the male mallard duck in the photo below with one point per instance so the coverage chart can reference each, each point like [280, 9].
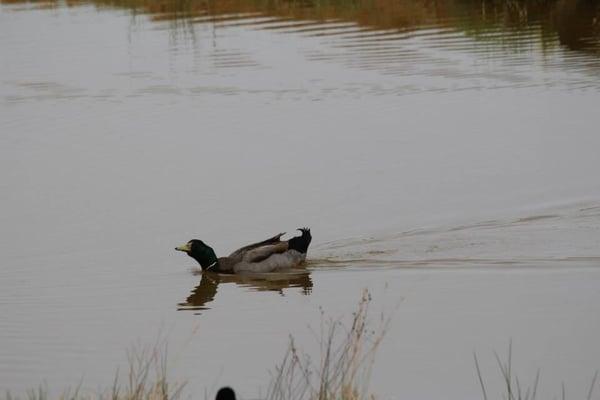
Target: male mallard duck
[266, 256]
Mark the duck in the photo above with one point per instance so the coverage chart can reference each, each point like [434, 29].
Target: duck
[269, 255]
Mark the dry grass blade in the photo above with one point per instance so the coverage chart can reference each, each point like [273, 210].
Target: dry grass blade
[480, 377]
[589, 396]
[535, 385]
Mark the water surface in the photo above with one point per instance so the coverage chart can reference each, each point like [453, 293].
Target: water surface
[444, 155]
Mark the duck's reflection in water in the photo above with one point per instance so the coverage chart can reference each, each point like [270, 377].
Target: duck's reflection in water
[206, 290]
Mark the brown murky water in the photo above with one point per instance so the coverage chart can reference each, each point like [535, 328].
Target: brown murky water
[445, 155]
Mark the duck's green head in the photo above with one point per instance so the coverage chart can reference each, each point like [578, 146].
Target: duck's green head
[200, 252]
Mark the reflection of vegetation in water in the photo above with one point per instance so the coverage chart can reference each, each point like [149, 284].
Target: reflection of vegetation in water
[576, 23]
[206, 290]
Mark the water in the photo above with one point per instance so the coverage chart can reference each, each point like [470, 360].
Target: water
[445, 158]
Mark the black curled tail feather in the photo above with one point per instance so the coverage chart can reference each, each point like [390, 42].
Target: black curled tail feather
[300, 243]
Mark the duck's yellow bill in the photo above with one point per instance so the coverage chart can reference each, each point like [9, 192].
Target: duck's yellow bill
[184, 247]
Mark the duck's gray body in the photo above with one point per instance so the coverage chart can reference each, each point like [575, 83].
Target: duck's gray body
[274, 261]
[270, 255]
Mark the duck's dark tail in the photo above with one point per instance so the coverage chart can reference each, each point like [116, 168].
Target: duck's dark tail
[300, 243]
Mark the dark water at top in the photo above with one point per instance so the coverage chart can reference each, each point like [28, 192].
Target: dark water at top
[444, 153]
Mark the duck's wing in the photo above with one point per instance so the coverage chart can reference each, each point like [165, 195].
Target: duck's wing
[261, 253]
[239, 253]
